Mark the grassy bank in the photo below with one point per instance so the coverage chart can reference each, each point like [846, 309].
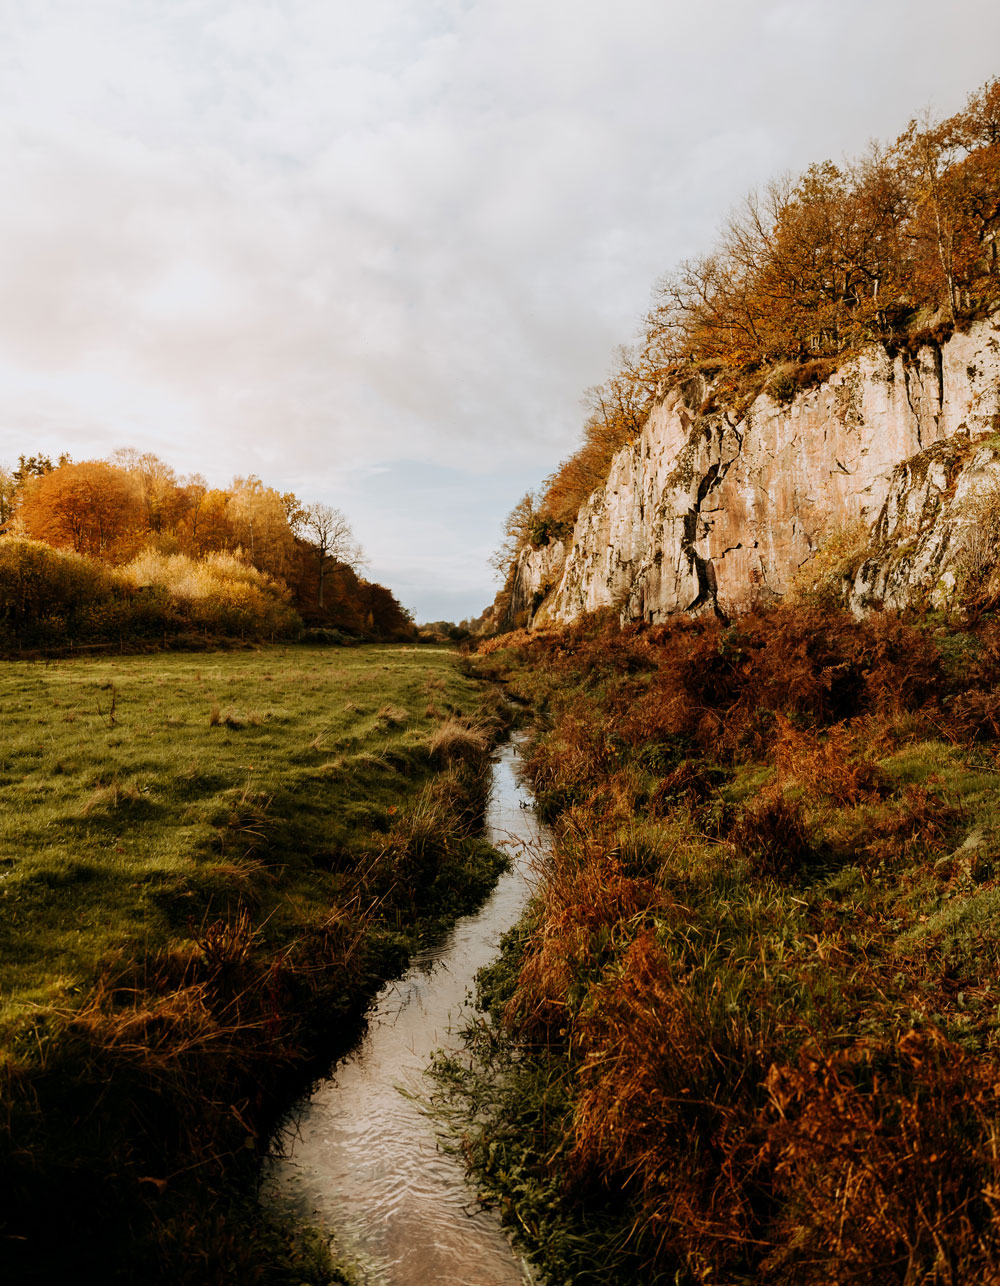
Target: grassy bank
[749, 1030]
[207, 863]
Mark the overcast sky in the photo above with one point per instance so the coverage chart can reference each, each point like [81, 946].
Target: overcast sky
[375, 250]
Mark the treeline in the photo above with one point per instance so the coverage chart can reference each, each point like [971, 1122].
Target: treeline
[898, 244]
[108, 550]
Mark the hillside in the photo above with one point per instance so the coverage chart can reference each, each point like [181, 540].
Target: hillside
[747, 1032]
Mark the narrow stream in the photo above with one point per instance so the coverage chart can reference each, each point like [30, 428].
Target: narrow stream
[360, 1158]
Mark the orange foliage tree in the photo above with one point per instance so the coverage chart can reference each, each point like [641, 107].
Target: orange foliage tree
[164, 500]
[92, 508]
[204, 526]
[259, 518]
[616, 412]
[844, 255]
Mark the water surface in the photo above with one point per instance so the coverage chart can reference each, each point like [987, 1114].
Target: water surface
[360, 1157]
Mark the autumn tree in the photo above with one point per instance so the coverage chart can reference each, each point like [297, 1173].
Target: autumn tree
[34, 466]
[204, 526]
[383, 614]
[259, 519]
[331, 537]
[514, 535]
[91, 508]
[8, 493]
[163, 498]
[617, 409]
[816, 266]
[972, 138]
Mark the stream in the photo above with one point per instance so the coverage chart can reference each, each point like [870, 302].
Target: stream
[360, 1157]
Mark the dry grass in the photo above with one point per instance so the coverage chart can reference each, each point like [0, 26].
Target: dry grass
[760, 971]
[978, 564]
[456, 738]
[886, 1157]
[833, 763]
[392, 716]
[107, 798]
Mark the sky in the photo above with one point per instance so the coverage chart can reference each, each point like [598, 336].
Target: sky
[376, 252]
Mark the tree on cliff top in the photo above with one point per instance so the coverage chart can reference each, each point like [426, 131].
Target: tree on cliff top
[514, 536]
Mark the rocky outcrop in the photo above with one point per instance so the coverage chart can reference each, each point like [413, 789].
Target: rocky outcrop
[938, 528]
[537, 573]
[706, 512]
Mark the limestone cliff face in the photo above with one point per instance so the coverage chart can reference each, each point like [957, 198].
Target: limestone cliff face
[704, 512]
[942, 505]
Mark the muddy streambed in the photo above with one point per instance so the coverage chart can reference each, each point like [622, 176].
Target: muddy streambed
[360, 1158]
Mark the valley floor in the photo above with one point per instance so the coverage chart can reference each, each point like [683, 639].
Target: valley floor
[207, 864]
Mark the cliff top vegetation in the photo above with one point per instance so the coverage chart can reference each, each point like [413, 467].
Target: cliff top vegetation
[897, 246]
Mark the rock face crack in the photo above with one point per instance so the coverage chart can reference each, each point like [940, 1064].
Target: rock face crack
[939, 370]
[715, 474]
[909, 399]
[703, 569]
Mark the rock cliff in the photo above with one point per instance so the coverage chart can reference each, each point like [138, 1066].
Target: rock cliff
[706, 511]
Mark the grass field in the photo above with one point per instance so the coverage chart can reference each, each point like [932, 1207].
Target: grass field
[199, 853]
[137, 794]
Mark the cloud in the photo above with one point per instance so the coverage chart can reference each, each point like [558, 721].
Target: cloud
[314, 237]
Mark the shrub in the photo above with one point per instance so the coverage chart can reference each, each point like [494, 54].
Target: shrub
[44, 590]
[822, 580]
[544, 528]
[771, 834]
[783, 385]
[325, 637]
[49, 597]
[689, 783]
[219, 593]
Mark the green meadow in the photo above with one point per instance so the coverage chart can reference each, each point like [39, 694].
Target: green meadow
[207, 863]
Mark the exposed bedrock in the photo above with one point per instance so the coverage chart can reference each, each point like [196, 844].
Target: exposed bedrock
[707, 513]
